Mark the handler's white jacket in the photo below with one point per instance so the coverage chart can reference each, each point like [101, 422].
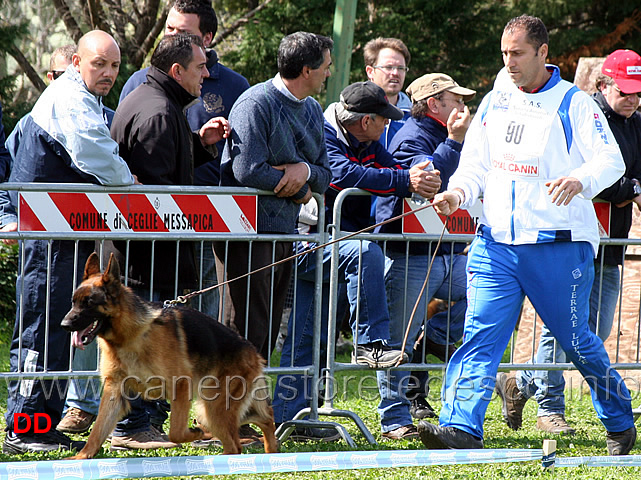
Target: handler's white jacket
[518, 142]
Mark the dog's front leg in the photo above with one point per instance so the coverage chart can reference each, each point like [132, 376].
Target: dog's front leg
[178, 423]
[113, 407]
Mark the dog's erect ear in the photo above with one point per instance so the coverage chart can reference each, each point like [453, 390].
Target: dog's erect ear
[92, 267]
[112, 274]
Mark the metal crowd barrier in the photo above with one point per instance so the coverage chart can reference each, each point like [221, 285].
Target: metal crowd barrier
[82, 212]
[514, 363]
[223, 200]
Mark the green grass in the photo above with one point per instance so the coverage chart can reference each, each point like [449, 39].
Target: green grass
[589, 440]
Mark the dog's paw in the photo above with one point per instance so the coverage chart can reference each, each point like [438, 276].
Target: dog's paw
[197, 433]
[78, 456]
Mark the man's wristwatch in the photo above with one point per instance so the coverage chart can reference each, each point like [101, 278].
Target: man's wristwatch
[637, 189]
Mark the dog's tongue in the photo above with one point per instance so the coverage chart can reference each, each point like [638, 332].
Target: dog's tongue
[76, 339]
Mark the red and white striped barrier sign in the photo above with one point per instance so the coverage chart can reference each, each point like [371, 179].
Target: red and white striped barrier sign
[602, 210]
[136, 212]
[461, 222]
[465, 221]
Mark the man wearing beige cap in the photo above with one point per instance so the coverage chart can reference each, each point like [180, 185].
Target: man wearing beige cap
[436, 129]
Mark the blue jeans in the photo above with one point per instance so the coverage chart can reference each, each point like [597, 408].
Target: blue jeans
[207, 302]
[84, 393]
[557, 278]
[404, 278]
[547, 386]
[292, 391]
[28, 346]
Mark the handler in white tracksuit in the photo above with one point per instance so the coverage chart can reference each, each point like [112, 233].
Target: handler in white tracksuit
[525, 154]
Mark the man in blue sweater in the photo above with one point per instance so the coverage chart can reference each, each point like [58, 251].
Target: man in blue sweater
[437, 128]
[276, 144]
[352, 129]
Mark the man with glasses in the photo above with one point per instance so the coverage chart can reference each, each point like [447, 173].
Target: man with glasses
[386, 64]
[618, 91]
[60, 60]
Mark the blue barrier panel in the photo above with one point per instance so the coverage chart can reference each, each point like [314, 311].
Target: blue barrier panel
[105, 468]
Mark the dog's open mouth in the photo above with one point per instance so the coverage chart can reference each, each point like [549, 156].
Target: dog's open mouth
[84, 337]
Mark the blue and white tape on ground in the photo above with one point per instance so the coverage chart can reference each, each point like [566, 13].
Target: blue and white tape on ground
[254, 463]
[597, 461]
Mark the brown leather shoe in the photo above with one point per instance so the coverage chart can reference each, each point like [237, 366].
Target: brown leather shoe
[442, 352]
[620, 443]
[149, 439]
[554, 424]
[512, 398]
[406, 432]
[75, 421]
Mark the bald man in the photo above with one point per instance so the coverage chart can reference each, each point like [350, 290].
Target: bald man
[64, 140]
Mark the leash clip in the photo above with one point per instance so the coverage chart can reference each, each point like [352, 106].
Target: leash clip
[171, 303]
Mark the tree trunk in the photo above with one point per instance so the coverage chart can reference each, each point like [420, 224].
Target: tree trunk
[70, 23]
[26, 67]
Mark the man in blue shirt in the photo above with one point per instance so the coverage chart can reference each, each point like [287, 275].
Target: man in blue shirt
[437, 128]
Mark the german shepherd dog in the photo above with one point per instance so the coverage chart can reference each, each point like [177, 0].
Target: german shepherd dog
[175, 353]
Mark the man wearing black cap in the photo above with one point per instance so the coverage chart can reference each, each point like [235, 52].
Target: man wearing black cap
[352, 129]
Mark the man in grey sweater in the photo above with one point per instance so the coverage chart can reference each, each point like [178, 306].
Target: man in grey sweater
[276, 143]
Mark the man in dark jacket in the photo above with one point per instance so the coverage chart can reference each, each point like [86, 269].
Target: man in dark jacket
[156, 142]
[220, 90]
[437, 128]
[619, 88]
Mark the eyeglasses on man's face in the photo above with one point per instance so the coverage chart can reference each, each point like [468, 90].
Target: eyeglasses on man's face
[638, 94]
[56, 73]
[392, 68]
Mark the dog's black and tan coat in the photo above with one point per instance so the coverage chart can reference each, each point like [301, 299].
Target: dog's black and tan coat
[175, 353]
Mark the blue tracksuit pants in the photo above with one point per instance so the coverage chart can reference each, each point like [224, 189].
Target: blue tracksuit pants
[557, 278]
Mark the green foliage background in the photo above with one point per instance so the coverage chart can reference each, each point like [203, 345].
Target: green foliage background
[457, 37]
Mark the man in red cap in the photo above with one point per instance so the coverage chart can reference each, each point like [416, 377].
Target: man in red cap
[618, 92]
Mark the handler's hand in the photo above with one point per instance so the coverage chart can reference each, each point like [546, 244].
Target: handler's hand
[426, 183]
[9, 227]
[446, 203]
[564, 189]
